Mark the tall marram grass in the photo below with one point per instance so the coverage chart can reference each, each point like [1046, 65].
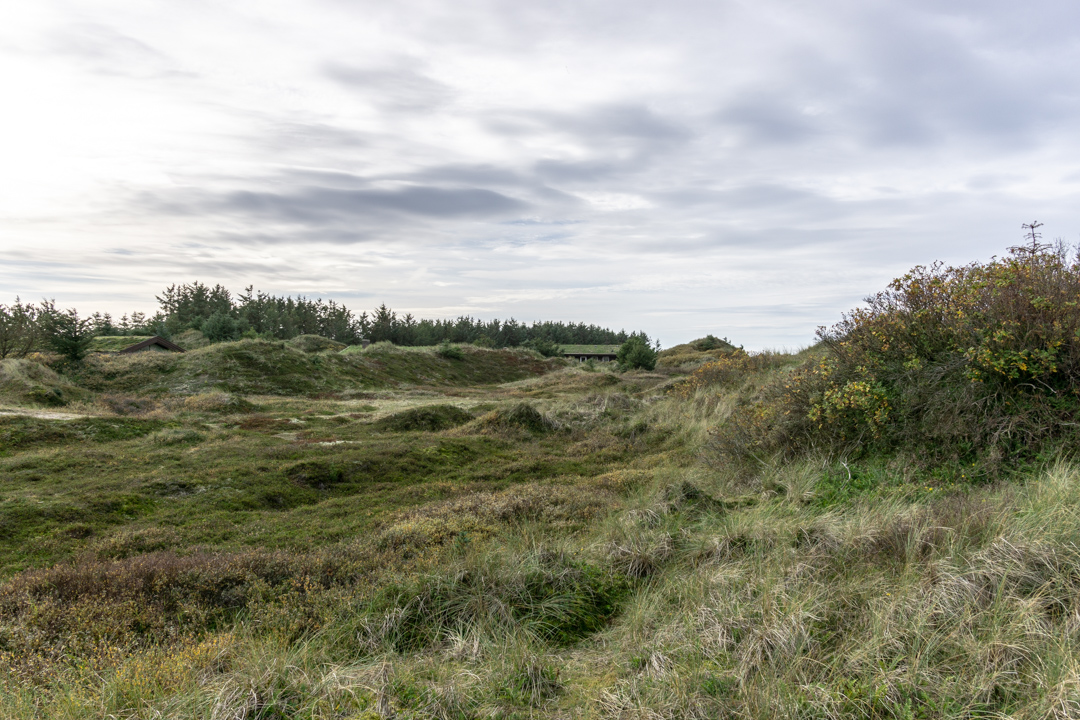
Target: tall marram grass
[680, 605]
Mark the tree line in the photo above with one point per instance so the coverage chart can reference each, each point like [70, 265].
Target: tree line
[221, 316]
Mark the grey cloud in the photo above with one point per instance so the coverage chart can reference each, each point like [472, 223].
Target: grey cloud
[908, 77]
[582, 171]
[620, 121]
[320, 234]
[305, 137]
[987, 182]
[932, 89]
[179, 265]
[626, 124]
[328, 206]
[768, 195]
[556, 199]
[105, 51]
[315, 177]
[402, 89]
[53, 272]
[621, 141]
[769, 118]
[960, 86]
[541, 223]
[470, 174]
[534, 186]
[748, 197]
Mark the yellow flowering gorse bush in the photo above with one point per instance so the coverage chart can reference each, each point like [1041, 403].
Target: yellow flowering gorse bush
[953, 360]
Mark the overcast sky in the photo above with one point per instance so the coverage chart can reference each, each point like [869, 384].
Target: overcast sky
[747, 169]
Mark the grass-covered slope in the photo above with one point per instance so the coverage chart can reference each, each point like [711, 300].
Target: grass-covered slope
[692, 354]
[25, 381]
[259, 367]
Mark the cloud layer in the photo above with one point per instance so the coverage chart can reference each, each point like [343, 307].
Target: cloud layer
[745, 169]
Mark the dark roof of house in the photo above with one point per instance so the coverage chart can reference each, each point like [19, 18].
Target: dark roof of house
[589, 349]
[156, 340]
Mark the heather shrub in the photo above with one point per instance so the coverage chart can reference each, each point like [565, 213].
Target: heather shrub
[92, 606]
[979, 363]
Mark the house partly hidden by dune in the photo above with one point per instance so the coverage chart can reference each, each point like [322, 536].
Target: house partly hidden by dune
[603, 353]
[125, 345]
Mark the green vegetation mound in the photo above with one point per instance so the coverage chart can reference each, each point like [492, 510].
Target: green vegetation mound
[217, 402]
[259, 367]
[316, 343]
[550, 596]
[191, 339]
[25, 381]
[521, 417]
[694, 353]
[430, 418]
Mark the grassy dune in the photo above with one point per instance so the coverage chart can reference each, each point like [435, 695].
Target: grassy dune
[251, 531]
[259, 367]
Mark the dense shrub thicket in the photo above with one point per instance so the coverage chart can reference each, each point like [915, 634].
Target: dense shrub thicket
[978, 363]
[732, 368]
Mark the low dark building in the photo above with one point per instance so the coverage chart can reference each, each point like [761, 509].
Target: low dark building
[154, 344]
[603, 353]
